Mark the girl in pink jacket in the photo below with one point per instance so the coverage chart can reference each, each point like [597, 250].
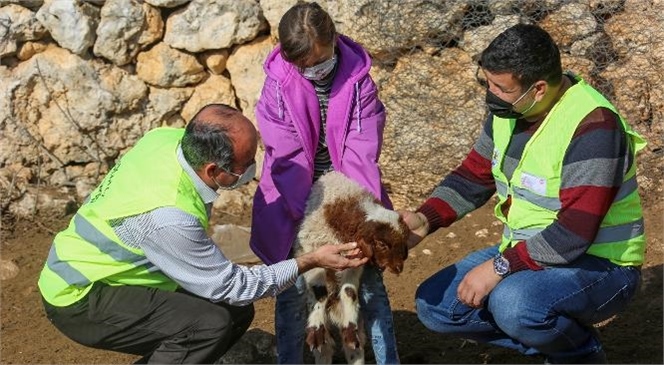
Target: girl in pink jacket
[318, 111]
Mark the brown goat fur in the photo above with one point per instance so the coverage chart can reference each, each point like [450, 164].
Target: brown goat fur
[339, 210]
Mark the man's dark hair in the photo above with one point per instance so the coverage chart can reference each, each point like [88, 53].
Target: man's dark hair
[526, 51]
[301, 28]
[205, 141]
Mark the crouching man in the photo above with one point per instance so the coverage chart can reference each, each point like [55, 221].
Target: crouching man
[562, 163]
[136, 272]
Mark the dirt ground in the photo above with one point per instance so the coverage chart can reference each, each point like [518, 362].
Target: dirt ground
[632, 337]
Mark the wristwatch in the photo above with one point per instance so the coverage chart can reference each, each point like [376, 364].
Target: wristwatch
[501, 266]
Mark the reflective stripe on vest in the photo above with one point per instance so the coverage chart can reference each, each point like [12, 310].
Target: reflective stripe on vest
[92, 235]
[610, 234]
[533, 190]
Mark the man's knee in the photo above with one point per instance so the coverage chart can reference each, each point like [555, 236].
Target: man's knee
[222, 318]
[226, 325]
[521, 318]
[425, 315]
[509, 304]
[244, 316]
[431, 308]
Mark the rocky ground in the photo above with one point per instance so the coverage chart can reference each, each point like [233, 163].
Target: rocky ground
[27, 337]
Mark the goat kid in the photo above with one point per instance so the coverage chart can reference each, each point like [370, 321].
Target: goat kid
[339, 210]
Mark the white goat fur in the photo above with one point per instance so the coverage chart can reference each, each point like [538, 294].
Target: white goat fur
[315, 231]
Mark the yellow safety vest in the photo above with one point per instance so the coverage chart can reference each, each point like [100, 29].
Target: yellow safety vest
[149, 176]
[535, 185]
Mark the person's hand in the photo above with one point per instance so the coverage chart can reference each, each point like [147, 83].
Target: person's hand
[340, 257]
[336, 257]
[477, 284]
[418, 225]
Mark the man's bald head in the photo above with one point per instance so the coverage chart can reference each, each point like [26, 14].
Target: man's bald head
[221, 135]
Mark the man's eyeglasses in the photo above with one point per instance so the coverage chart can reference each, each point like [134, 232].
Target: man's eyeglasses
[242, 179]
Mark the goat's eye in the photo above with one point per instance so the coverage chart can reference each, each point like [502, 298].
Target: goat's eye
[382, 245]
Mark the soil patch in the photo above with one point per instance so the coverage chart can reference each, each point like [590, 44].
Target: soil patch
[632, 337]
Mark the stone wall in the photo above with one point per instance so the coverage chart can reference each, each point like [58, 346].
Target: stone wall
[81, 81]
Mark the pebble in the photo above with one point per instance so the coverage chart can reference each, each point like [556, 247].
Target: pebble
[482, 233]
[8, 270]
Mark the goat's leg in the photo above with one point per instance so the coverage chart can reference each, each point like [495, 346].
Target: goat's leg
[323, 354]
[352, 332]
[316, 329]
[344, 312]
[354, 354]
[318, 336]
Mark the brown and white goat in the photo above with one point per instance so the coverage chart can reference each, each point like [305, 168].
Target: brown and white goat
[339, 210]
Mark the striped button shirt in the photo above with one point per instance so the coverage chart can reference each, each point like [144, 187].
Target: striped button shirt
[177, 244]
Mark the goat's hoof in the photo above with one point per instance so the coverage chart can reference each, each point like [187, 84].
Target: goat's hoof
[315, 337]
[350, 336]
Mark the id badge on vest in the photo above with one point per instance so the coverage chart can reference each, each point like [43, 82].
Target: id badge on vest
[533, 183]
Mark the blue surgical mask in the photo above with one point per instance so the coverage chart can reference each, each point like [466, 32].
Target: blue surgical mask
[319, 71]
[243, 179]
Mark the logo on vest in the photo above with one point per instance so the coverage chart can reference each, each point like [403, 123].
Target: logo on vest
[495, 157]
[533, 183]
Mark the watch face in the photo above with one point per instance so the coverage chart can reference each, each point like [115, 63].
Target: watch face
[500, 265]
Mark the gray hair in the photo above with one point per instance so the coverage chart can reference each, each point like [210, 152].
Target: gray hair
[206, 141]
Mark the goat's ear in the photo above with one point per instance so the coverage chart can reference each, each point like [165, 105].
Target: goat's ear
[366, 248]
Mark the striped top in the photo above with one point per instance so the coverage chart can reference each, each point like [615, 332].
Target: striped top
[593, 170]
[322, 161]
[177, 244]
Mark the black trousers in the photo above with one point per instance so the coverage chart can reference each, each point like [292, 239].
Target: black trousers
[163, 327]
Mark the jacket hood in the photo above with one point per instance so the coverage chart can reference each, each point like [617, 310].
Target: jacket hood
[354, 62]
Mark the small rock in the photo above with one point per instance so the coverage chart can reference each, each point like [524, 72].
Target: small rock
[426, 251]
[451, 235]
[466, 342]
[482, 233]
[8, 269]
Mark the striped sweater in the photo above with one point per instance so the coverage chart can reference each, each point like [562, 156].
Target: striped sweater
[322, 160]
[593, 169]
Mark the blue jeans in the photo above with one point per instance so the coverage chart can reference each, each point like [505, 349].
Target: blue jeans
[291, 319]
[549, 312]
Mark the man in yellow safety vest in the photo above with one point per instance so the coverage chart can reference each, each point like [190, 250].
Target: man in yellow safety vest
[136, 272]
[561, 161]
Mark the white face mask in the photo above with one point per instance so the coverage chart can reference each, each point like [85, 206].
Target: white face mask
[243, 179]
[319, 71]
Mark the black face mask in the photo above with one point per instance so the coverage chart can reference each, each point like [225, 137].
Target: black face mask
[503, 109]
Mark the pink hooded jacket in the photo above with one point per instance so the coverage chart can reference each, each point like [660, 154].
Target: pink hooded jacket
[288, 117]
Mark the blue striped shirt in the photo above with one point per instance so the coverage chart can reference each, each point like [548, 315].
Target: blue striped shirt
[176, 243]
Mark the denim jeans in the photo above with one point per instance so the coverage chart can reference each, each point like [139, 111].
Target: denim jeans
[549, 312]
[291, 319]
